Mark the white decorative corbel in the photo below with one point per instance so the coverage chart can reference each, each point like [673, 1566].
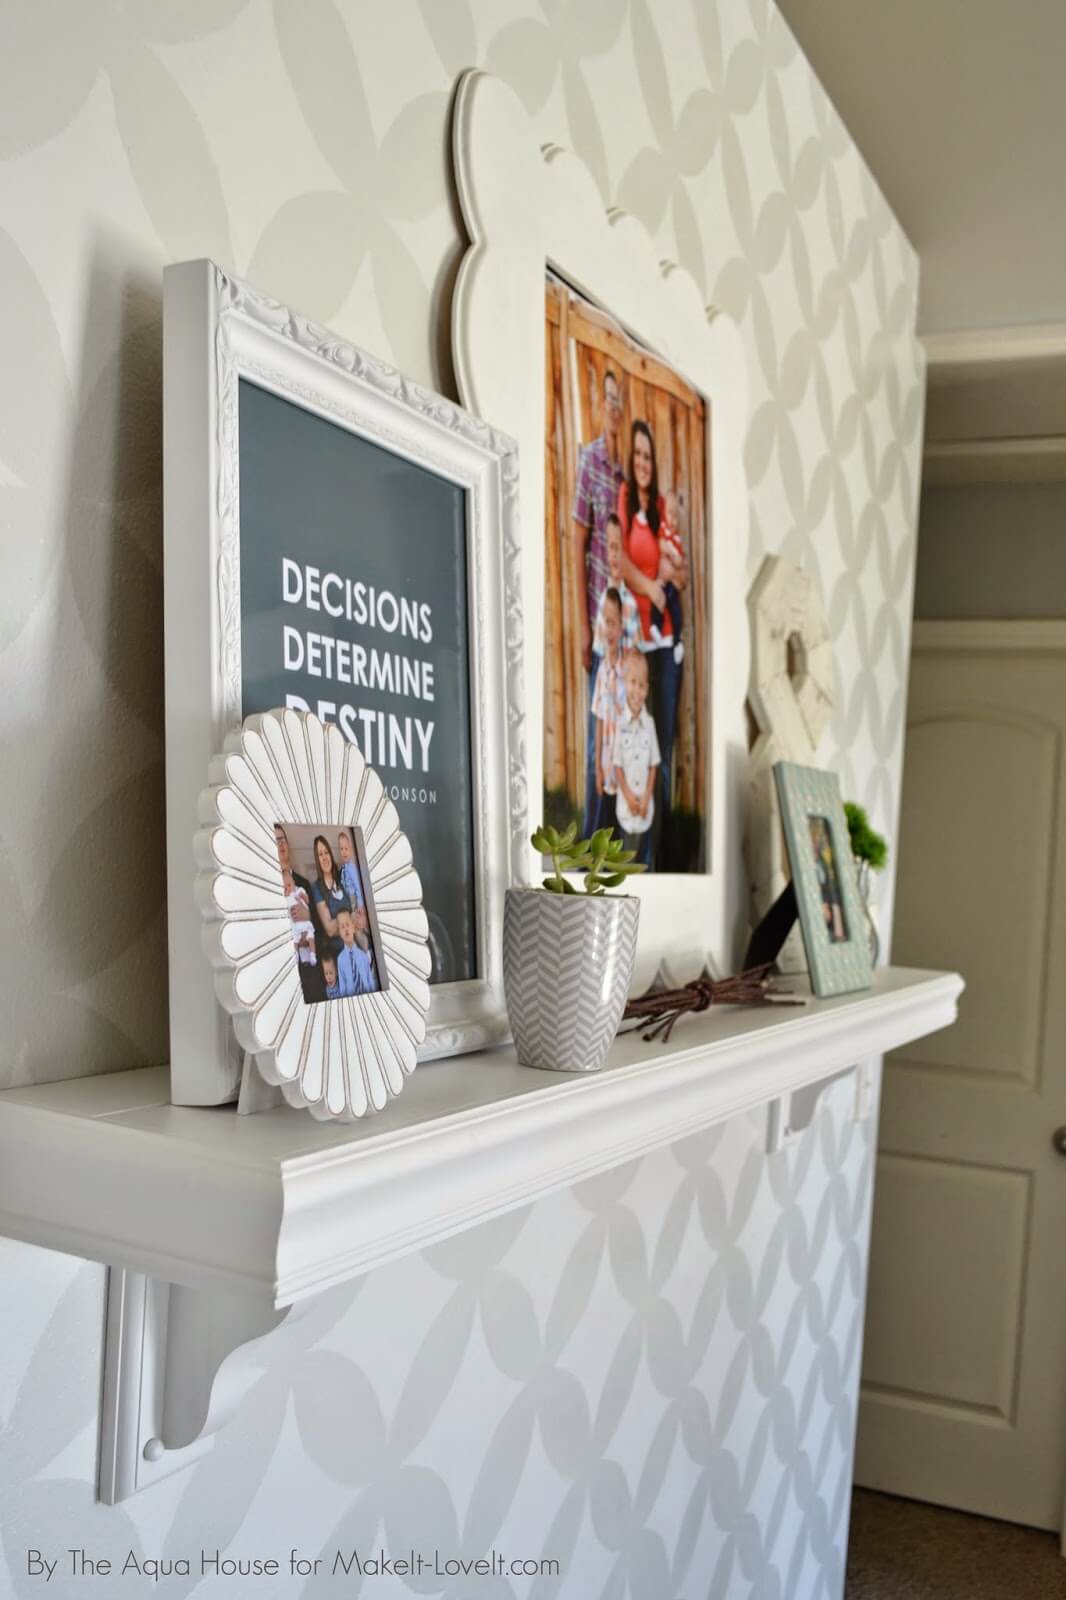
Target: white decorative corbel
[792, 1114]
[177, 1363]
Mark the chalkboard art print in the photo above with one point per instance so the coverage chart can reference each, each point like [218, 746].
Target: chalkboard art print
[354, 606]
[361, 564]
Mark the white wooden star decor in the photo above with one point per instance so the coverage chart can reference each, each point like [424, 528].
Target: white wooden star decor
[791, 700]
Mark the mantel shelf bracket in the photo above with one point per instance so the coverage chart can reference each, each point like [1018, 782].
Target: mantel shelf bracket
[177, 1363]
[790, 1115]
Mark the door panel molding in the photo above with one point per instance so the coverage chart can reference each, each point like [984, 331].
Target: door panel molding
[1024, 989]
[981, 1306]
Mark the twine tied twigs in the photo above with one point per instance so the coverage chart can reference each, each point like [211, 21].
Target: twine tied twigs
[755, 987]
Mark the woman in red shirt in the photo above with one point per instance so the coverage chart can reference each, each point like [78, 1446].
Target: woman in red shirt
[641, 513]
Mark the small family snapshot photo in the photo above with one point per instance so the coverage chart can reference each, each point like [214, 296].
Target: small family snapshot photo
[825, 868]
[627, 558]
[326, 885]
[824, 878]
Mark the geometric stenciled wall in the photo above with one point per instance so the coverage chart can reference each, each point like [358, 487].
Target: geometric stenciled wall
[304, 145]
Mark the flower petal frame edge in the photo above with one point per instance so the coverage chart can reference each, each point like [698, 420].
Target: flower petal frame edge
[340, 1059]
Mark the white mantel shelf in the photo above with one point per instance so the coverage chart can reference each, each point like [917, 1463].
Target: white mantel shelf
[107, 1169]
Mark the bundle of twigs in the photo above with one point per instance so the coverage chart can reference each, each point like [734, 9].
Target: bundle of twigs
[755, 987]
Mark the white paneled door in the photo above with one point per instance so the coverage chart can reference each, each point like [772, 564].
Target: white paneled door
[964, 1381]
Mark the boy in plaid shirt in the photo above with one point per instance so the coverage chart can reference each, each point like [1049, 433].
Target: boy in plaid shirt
[608, 703]
[630, 636]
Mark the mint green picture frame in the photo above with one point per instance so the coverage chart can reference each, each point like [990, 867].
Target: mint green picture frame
[838, 952]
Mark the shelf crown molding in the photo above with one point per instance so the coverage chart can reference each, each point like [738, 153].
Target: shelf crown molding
[277, 1204]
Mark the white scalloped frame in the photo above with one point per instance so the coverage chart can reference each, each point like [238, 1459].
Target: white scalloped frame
[527, 208]
[339, 1059]
[216, 331]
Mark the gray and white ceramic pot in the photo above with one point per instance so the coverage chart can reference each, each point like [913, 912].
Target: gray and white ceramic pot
[567, 967]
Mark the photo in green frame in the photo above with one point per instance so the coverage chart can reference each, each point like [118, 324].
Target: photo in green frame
[824, 879]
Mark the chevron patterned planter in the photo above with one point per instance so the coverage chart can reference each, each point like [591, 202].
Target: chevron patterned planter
[567, 966]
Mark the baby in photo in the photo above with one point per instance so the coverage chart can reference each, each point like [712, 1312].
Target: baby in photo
[349, 871]
[637, 759]
[671, 564]
[303, 933]
[355, 964]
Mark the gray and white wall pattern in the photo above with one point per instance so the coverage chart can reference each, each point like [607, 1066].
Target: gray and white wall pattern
[525, 1382]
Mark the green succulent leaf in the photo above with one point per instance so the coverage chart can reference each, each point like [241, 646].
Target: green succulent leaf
[602, 859]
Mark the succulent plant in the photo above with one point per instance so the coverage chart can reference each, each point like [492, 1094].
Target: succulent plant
[602, 859]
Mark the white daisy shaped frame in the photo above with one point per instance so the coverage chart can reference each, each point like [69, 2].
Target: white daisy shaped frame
[339, 1059]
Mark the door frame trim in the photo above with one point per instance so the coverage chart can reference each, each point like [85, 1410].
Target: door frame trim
[990, 637]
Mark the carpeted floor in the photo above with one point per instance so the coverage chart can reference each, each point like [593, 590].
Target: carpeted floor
[902, 1550]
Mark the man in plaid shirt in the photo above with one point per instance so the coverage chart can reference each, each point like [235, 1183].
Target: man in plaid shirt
[599, 473]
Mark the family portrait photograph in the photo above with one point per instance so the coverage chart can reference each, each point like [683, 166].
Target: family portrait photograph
[626, 566]
[333, 927]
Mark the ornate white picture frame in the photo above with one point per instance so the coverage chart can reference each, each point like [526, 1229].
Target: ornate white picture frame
[526, 210]
[219, 337]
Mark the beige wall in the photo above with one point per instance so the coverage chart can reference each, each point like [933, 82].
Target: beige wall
[304, 144]
[540, 1382]
[958, 107]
